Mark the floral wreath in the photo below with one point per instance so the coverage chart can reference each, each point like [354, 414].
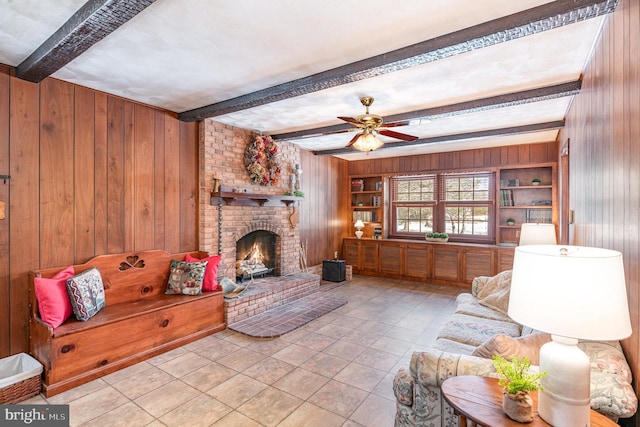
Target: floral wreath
[261, 161]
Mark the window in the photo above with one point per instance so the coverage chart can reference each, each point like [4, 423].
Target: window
[459, 204]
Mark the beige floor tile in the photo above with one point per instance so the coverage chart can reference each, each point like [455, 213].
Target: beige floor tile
[165, 357]
[325, 364]
[316, 341]
[267, 346]
[236, 390]
[143, 382]
[201, 411]
[295, 354]
[309, 415]
[77, 392]
[375, 411]
[127, 372]
[363, 377]
[242, 359]
[301, 383]
[339, 398]
[127, 415]
[270, 406]
[385, 387]
[94, 405]
[166, 398]
[344, 350]
[392, 345]
[334, 331]
[363, 338]
[207, 377]
[269, 370]
[236, 419]
[217, 350]
[184, 364]
[378, 359]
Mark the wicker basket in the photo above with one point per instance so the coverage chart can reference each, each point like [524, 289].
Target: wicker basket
[20, 379]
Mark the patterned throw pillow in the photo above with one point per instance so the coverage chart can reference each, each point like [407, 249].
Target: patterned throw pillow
[186, 277]
[86, 293]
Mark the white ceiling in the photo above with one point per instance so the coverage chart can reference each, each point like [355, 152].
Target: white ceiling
[185, 54]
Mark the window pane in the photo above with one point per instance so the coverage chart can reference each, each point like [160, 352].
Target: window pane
[467, 220]
[466, 188]
[414, 219]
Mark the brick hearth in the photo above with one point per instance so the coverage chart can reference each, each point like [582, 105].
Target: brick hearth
[270, 292]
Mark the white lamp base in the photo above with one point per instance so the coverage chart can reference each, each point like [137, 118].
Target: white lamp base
[359, 234]
[565, 396]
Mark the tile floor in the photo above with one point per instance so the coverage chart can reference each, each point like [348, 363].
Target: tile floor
[335, 371]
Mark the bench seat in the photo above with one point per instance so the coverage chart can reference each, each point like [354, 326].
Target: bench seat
[138, 321]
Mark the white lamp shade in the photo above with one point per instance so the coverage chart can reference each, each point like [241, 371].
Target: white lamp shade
[367, 142]
[537, 234]
[359, 224]
[579, 295]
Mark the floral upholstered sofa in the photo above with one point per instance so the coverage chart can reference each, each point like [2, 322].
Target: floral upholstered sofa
[480, 328]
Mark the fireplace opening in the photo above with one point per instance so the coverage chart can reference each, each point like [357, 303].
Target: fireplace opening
[256, 255]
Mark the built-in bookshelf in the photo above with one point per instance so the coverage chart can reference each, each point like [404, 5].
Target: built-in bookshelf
[367, 204]
[525, 194]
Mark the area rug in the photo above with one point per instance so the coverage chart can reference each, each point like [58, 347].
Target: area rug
[288, 317]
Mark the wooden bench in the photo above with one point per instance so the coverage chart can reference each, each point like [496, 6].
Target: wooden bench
[138, 321]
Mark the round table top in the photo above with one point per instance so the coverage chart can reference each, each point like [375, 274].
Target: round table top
[479, 399]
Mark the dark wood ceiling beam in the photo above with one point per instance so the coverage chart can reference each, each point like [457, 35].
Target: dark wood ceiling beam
[450, 138]
[95, 20]
[490, 103]
[542, 18]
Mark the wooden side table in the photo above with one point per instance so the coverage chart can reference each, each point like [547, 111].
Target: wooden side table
[478, 401]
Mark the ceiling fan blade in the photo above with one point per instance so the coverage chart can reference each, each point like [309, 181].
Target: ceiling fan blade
[353, 140]
[397, 135]
[351, 120]
[396, 124]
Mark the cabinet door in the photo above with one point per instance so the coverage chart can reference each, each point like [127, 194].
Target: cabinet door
[417, 261]
[370, 259]
[391, 258]
[505, 259]
[352, 254]
[446, 262]
[477, 263]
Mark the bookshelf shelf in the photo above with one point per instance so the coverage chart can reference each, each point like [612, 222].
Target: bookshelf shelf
[367, 201]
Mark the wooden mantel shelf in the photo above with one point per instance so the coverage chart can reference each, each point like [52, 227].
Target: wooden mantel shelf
[234, 198]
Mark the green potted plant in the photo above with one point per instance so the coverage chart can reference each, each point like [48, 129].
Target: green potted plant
[511, 221]
[535, 181]
[436, 237]
[517, 382]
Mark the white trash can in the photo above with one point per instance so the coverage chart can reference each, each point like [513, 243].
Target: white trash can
[20, 378]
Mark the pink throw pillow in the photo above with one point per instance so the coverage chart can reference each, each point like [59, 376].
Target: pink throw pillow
[210, 281]
[53, 300]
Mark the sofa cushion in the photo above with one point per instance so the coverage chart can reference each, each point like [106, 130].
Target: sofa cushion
[474, 331]
[468, 304]
[451, 346]
[493, 284]
[210, 281]
[502, 345]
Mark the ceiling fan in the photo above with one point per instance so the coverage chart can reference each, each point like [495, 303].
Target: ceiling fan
[372, 124]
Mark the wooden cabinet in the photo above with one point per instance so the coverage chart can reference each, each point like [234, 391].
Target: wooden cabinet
[525, 194]
[439, 263]
[367, 198]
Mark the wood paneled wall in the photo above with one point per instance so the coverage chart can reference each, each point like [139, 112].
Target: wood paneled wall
[324, 211]
[91, 174]
[468, 159]
[603, 130]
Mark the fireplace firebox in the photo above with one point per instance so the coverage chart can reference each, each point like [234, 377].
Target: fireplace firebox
[256, 255]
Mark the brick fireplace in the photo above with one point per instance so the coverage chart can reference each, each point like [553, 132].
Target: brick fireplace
[222, 224]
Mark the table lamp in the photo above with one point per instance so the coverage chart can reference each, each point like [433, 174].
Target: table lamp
[359, 225]
[572, 293]
[537, 234]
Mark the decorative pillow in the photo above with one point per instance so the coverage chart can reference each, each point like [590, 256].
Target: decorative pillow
[53, 301]
[210, 281]
[86, 293]
[186, 277]
[499, 300]
[505, 346]
[498, 282]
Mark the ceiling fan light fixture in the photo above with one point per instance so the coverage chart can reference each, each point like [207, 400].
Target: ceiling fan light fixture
[367, 142]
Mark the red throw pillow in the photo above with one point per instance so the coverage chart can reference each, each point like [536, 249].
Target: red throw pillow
[53, 300]
[210, 281]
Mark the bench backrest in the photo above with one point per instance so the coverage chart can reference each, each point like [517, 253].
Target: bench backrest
[126, 277]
